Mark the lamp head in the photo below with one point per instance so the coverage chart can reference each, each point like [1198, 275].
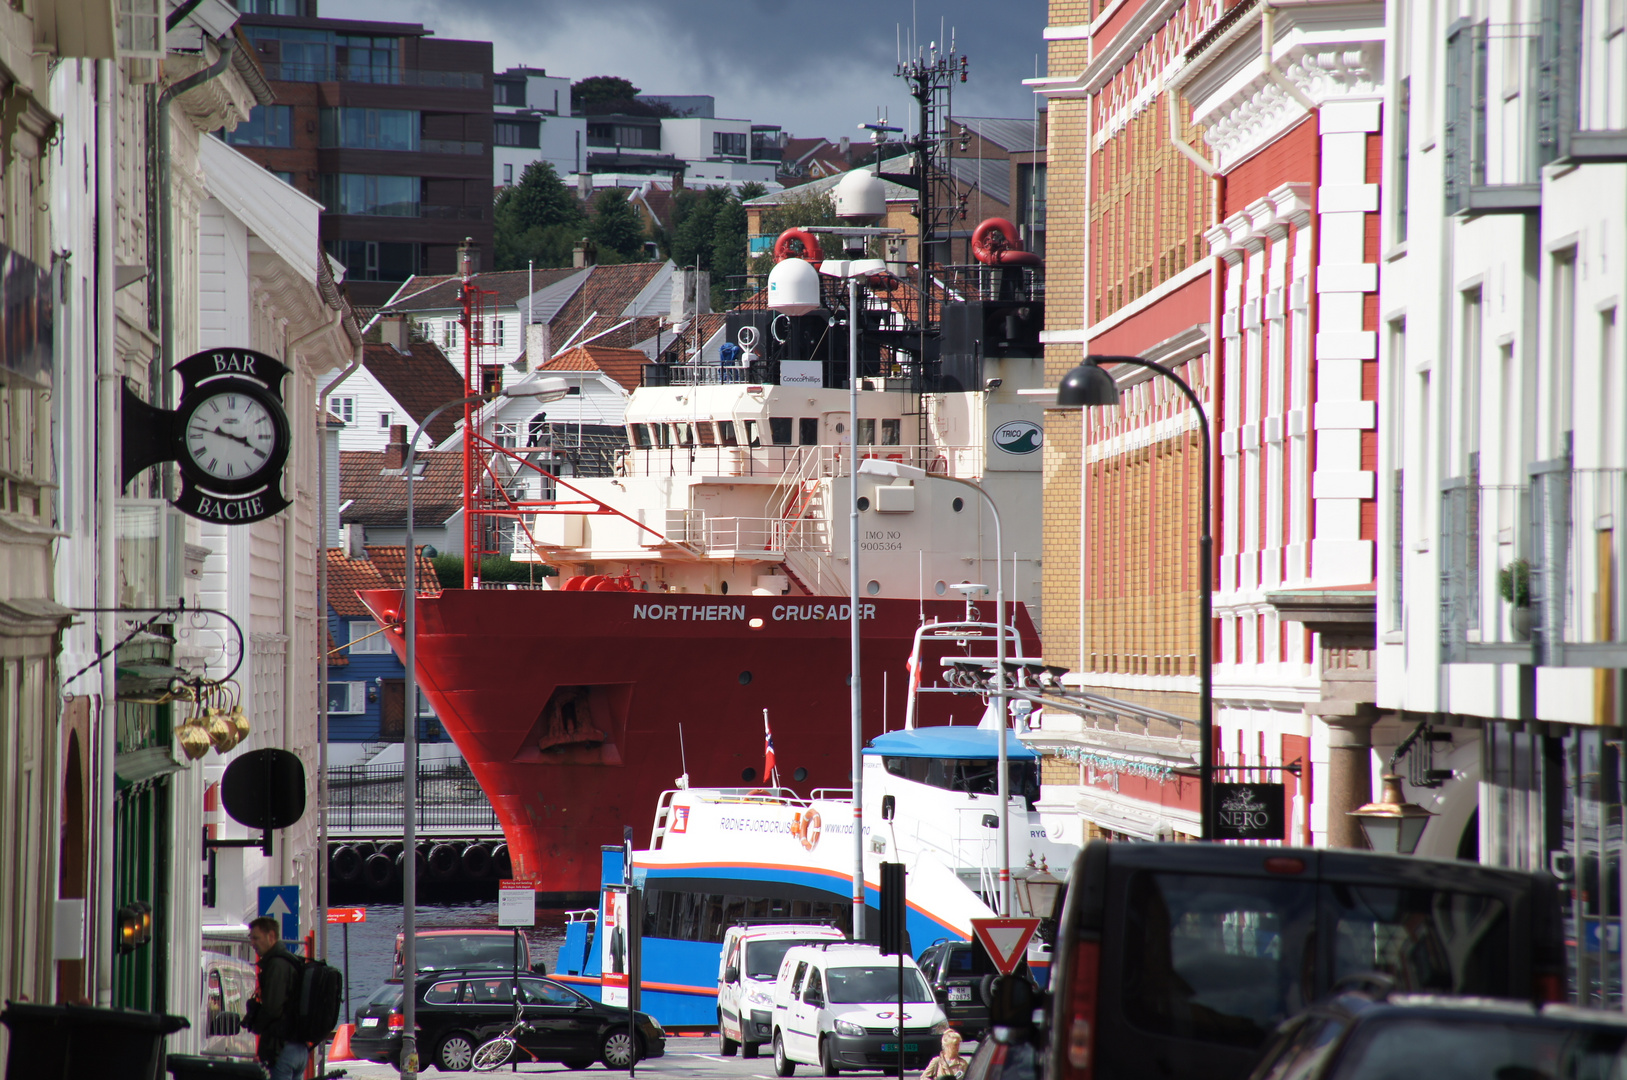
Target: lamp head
[542, 390]
[895, 470]
[1086, 385]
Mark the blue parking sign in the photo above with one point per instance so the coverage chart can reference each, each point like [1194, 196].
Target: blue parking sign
[281, 902]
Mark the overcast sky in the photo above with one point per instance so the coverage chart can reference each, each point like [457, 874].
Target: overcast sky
[815, 67]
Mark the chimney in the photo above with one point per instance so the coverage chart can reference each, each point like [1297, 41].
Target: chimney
[691, 293]
[584, 186]
[395, 331]
[395, 454]
[353, 539]
[538, 345]
[584, 253]
[842, 146]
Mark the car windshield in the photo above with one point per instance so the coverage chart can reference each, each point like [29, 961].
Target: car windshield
[458, 952]
[856, 985]
[388, 994]
[1447, 1049]
[763, 957]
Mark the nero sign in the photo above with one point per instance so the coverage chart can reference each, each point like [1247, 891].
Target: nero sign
[1248, 811]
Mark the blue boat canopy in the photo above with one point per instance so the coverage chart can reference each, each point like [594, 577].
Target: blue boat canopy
[948, 742]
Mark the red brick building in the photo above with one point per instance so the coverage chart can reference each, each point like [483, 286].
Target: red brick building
[1213, 201]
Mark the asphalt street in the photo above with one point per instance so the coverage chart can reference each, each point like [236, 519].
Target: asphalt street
[690, 1057]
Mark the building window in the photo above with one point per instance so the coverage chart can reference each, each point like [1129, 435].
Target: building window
[1403, 157]
[508, 174]
[521, 133]
[299, 55]
[384, 420]
[347, 697]
[729, 144]
[449, 333]
[370, 129]
[345, 409]
[424, 707]
[374, 260]
[361, 642]
[508, 93]
[500, 324]
[267, 125]
[375, 196]
[284, 175]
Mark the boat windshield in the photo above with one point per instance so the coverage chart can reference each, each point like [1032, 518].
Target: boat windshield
[975, 776]
[763, 957]
[858, 985]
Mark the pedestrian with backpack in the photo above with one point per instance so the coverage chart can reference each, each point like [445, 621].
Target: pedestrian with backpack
[273, 1015]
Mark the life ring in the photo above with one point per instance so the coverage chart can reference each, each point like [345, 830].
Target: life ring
[807, 828]
[811, 251]
[996, 242]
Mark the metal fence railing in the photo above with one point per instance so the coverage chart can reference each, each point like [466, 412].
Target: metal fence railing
[371, 796]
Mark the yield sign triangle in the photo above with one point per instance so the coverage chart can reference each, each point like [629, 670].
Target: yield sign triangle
[1005, 939]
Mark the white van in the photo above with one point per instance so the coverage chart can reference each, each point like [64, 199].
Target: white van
[747, 965]
[836, 1006]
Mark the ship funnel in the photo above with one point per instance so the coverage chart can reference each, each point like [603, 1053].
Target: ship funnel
[793, 287]
[861, 195]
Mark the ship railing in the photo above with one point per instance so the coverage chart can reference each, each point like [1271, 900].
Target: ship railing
[582, 915]
[726, 535]
[832, 794]
[784, 462]
[705, 374]
[370, 796]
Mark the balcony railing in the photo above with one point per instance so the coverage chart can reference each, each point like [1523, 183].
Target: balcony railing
[450, 146]
[461, 213]
[370, 796]
[1577, 582]
[1535, 575]
[373, 73]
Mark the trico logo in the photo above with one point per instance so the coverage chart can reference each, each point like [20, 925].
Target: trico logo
[1019, 437]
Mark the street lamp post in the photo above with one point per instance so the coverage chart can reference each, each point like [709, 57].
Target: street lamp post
[1088, 385]
[551, 389]
[897, 470]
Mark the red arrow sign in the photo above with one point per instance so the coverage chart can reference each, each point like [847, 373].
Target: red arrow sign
[1005, 939]
[347, 914]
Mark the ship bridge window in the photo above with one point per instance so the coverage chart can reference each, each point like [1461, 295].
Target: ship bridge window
[725, 433]
[683, 434]
[889, 432]
[779, 429]
[707, 432]
[663, 438]
[808, 431]
[754, 433]
[867, 432]
[974, 776]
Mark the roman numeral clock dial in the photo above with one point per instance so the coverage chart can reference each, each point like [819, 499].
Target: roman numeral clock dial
[231, 436]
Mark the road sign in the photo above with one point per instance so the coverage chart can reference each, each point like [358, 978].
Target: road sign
[281, 902]
[516, 903]
[347, 914]
[1005, 939]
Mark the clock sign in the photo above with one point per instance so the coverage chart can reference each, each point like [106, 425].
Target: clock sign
[229, 435]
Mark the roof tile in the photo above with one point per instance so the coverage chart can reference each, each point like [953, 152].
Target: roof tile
[420, 380]
[384, 568]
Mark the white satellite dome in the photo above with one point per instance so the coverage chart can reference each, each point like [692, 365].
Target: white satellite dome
[861, 194]
[793, 287]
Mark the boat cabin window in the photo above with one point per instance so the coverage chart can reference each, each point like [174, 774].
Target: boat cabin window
[975, 776]
[867, 432]
[808, 431]
[663, 437]
[640, 436]
[707, 433]
[683, 434]
[779, 428]
[754, 433]
[889, 432]
[725, 433]
[706, 916]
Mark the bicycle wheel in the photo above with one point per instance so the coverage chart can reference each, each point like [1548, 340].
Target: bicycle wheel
[492, 1054]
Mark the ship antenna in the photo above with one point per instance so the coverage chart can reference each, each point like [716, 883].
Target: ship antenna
[683, 761]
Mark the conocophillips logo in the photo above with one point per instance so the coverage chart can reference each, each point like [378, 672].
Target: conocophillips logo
[1019, 437]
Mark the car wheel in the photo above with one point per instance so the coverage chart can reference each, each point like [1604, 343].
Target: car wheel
[456, 1052]
[579, 1063]
[618, 1049]
[749, 1049]
[726, 1046]
[783, 1066]
[827, 1057]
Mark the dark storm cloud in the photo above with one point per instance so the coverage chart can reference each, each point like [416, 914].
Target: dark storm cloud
[816, 68]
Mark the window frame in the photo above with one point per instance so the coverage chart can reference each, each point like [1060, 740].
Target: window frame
[375, 645]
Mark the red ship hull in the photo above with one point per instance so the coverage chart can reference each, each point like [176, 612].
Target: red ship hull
[569, 705]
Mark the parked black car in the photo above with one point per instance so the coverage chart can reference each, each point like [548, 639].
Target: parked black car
[1367, 1031]
[1180, 960]
[457, 1011]
[957, 971]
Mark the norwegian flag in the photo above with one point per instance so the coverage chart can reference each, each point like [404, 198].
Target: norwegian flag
[915, 674]
[769, 771]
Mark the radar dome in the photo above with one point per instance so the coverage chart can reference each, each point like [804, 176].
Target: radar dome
[793, 287]
[861, 194]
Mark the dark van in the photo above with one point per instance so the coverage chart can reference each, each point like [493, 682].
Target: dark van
[1179, 960]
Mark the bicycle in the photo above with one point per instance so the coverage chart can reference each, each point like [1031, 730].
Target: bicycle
[494, 1053]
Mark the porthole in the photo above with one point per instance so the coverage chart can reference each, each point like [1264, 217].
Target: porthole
[864, 503]
[724, 588]
[941, 587]
[748, 774]
[800, 775]
[745, 678]
[874, 588]
[958, 505]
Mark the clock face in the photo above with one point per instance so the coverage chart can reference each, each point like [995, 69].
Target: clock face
[231, 436]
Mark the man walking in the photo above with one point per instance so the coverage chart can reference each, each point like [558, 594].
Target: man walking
[274, 1018]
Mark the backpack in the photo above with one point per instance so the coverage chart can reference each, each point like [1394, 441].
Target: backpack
[318, 997]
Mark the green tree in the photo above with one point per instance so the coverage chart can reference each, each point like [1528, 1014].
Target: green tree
[751, 189]
[728, 249]
[537, 219]
[616, 226]
[600, 94]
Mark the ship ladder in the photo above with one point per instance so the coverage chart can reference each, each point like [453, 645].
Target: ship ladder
[797, 507]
